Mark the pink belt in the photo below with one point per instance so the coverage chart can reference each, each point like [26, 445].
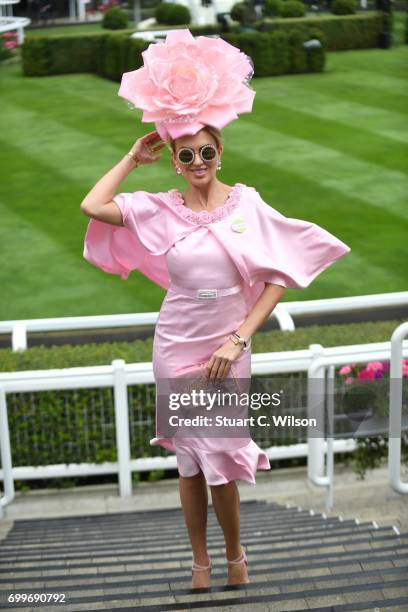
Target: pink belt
[205, 294]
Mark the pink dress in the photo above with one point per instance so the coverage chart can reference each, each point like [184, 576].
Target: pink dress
[235, 249]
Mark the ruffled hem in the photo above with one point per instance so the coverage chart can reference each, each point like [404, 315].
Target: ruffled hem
[224, 466]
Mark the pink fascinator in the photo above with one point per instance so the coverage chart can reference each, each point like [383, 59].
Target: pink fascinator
[186, 83]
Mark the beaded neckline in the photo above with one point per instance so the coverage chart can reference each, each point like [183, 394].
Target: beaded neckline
[206, 216]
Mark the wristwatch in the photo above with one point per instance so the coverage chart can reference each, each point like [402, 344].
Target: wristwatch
[239, 340]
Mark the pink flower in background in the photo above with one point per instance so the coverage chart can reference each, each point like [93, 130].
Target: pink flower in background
[10, 44]
[375, 366]
[10, 35]
[366, 374]
[349, 380]
[345, 370]
[188, 82]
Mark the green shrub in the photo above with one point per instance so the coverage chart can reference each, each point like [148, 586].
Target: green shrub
[172, 14]
[155, 475]
[292, 8]
[272, 8]
[243, 12]
[115, 19]
[237, 11]
[343, 7]
[360, 31]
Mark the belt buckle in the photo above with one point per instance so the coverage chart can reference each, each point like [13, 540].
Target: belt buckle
[206, 294]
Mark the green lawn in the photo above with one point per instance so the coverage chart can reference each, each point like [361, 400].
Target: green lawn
[72, 30]
[330, 148]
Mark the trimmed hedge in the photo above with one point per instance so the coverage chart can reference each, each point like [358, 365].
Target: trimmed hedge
[341, 32]
[110, 55]
[60, 54]
[47, 55]
[69, 356]
[87, 52]
[280, 52]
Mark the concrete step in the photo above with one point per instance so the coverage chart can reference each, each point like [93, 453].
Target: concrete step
[298, 560]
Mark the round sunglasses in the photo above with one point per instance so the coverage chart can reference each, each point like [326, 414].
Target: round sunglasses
[186, 155]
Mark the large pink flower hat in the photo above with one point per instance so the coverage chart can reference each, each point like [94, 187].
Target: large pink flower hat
[187, 82]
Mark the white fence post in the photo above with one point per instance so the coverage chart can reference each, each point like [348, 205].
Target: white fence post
[315, 390]
[5, 451]
[395, 410]
[122, 427]
[19, 336]
[330, 434]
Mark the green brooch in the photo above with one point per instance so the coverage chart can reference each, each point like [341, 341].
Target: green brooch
[238, 225]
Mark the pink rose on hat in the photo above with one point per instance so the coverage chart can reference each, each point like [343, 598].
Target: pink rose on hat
[188, 82]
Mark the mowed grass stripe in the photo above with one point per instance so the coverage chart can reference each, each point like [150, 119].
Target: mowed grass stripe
[349, 176]
[47, 202]
[392, 62]
[336, 86]
[339, 108]
[65, 221]
[43, 278]
[361, 83]
[74, 154]
[81, 100]
[358, 143]
[37, 267]
[57, 181]
[91, 119]
[54, 143]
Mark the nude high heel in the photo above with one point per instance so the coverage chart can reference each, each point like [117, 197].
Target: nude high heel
[241, 559]
[200, 568]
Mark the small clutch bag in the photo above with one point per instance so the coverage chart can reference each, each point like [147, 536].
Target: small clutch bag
[198, 379]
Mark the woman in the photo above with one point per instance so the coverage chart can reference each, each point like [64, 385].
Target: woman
[190, 329]
[225, 258]
[204, 192]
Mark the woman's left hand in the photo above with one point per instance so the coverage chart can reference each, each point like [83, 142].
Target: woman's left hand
[220, 363]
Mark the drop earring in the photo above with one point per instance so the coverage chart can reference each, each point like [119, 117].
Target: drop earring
[219, 165]
[178, 170]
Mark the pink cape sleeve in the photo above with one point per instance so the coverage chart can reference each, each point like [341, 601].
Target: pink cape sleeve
[276, 249]
[285, 251]
[140, 244]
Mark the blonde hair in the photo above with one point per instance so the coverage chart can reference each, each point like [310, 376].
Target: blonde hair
[215, 133]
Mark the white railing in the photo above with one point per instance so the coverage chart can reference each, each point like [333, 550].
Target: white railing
[120, 375]
[9, 23]
[395, 415]
[283, 312]
[317, 391]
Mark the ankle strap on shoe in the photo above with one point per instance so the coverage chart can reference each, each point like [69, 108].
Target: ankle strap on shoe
[240, 559]
[198, 568]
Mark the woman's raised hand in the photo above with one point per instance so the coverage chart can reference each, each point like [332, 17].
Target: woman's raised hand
[145, 147]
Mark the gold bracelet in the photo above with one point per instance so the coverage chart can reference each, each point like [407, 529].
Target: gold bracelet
[134, 157]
